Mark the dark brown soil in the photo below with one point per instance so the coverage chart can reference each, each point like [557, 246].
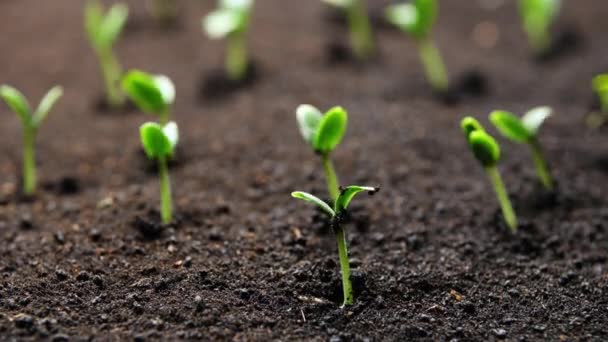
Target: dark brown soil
[86, 259]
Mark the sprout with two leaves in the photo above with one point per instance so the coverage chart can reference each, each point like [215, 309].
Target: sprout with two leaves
[600, 87]
[525, 131]
[152, 94]
[31, 121]
[231, 21]
[487, 152]
[417, 19]
[361, 35]
[159, 144]
[103, 31]
[336, 215]
[323, 133]
[537, 17]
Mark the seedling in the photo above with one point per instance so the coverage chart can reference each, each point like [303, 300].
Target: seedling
[324, 133]
[487, 152]
[537, 17]
[103, 31]
[359, 25]
[163, 10]
[417, 19]
[336, 215]
[31, 121]
[159, 143]
[231, 21]
[525, 131]
[600, 87]
[153, 94]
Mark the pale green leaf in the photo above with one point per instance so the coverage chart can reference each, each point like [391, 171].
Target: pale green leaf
[331, 130]
[46, 104]
[309, 119]
[315, 200]
[347, 194]
[17, 102]
[534, 119]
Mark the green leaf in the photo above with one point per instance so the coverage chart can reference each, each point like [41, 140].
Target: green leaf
[469, 124]
[93, 16]
[340, 3]
[172, 133]
[484, 148]
[17, 102]
[220, 23]
[46, 104]
[600, 83]
[415, 18]
[347, 194]
[112, 24]
[538, 14]
[309, 119]
[166, 87]
[155, 142]
[534, 119]
[241, 5]
[510, 126]
[143, 89]
[315, 200]
[331, 130]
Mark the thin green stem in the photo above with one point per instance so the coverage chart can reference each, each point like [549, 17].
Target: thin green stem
[360, 30]
[112, 71]
[347, 287]
[166, 205]
[29, 160]
[434, 66]
[237, 60]
[332, 179]
[541, 166]
[503, 197]
[164, 117]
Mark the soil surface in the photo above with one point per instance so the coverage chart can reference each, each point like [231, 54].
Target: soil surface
[86, 259]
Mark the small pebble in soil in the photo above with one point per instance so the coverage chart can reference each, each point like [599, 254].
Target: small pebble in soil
[60, 338]
[500, 333]
[83, 276]
[68, 186]
[97, 280]
[59, 238]
[23, 321]
[61, 274]
[25, 222]
[95, 235]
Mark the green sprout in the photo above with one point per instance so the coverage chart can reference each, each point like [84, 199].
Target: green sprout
[159, 143]
[487, 152]
[600, 87]
[417, 19]
[324, 133]
[525, 131]
[359, 25]
[336, 215]
[31, 121]
[153, 94]
[231, 21]
[103, 31]
[163, 10]
[537, 17]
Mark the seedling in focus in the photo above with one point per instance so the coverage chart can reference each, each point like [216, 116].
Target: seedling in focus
[361, 35]
[336, 215]
[153, 94]
[103, 31]
[323, 133]
[159, 144]
[31, 121]
[487, 152]
[231, 21]
[417, 19]
[525, 131]
[537, 17]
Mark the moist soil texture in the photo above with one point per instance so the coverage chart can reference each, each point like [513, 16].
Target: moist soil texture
[86, 258]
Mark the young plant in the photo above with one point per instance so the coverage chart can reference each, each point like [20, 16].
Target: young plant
[324, 133]
[103, 31]
[231, 21]
[359, 25]
[336, 215]
[163, 10]
[537, 17]
[600, 86]
[525, 131]
[153, 94]
[31, 121]
[487, 152]
[159, 143]
[417, 19]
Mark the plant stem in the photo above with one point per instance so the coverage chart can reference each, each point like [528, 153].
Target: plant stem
[503, 197]
[360, 30]
[332, 179]
[541, 166]
[433, 65]
[237, 60]
[29, 160]
[164, 118]
[111, 73]
[347, 287]
[165, 191]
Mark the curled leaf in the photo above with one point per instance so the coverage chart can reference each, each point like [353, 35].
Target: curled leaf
[348, 193]
[155, 142]
[469, 124]
[331, 130]
[17, 102]
[144, 90]
[315, 200]
[484, 148]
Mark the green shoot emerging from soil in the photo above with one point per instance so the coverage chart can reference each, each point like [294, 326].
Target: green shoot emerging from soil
[525, 131]
[324, 133]
[231, 21]
[417, 19]
[600, 86]
[153, 94]
[159, 143]
[163, 10]
[336, 215]
[487, 152]
[359, 25]
[31, 121]
[103, 31]
[537, 17]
